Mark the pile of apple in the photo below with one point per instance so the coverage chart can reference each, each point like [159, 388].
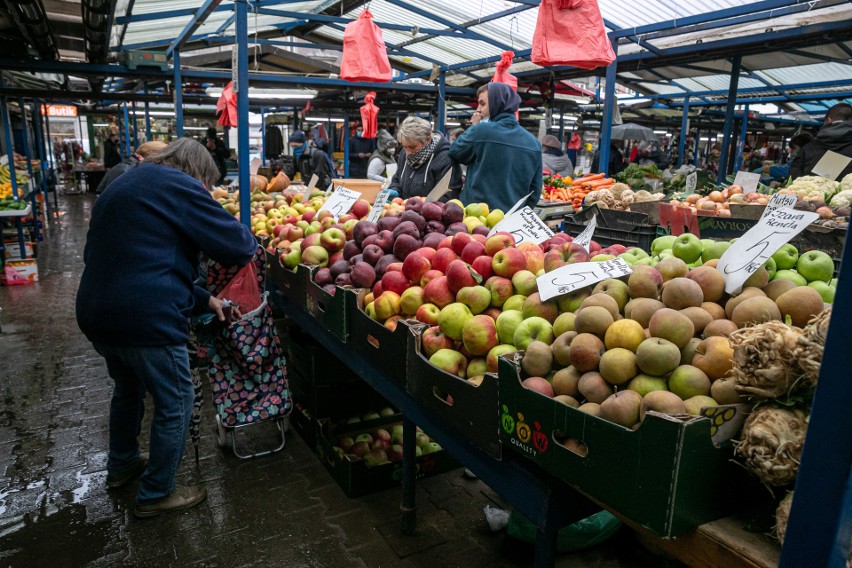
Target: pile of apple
[812, 268]
[269, 210]
[383, 445]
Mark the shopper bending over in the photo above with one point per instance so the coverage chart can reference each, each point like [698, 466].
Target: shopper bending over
[836, 136]
[424, 160]
[553, 158]
[503, 160]
[134, 303]
[385, 154]
[143, 151]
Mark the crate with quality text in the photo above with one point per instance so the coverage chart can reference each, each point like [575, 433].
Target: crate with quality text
[666, 475]
[289, 281]
[468, 408]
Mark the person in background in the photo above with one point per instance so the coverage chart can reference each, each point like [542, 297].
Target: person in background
[455, 133]
[423, 161]
[219, 153]
[360, 149]
[616, 160]
[134, 302]
[835, 136]
[504, 160]
[309, 160]
[797, 142]
[634, 152]
[112, 152]
[142, 152]
[553, 158]
[384, 155]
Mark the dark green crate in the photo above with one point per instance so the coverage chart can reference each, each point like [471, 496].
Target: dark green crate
[313, 361]
[667, 475]
[329, 309]
[290, 283]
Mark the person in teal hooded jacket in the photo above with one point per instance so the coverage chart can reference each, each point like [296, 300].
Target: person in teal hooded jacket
[503, 160]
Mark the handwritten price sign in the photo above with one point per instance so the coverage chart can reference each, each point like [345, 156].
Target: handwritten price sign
[378, 206]
[340, 202]
[744, 257]
[584, 239]
[573, 276]
[525, 226]
[691, 181]
[748, 181]
[779, 201]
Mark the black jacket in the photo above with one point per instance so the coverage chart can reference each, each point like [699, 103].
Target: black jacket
[410, 182]
[616, 161]
[836, 137]
[112, 155]
[115, 171]
[312, 161]
[358, 166]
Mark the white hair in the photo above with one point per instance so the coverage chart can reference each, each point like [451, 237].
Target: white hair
[414, 129]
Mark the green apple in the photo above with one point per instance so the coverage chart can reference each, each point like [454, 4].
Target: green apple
[662, 243]
[786, 257]
[664, 254]
[714, 250]
[476, 210]
[601, 258]
[633, 255]
[815, 265]
[532, 329]
[792, 276]
[647, 260]
[770, 267]
[825, 290]
[507, 323]
[452, 318]
[493, 218]
[833, 283]
[515, 302]
[687, 247]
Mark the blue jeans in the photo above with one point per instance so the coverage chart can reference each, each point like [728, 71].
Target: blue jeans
[164, 372]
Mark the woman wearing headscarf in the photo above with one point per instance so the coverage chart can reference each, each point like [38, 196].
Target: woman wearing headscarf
[504, 160]
[384, 155]
[424, 160]
[553, 158]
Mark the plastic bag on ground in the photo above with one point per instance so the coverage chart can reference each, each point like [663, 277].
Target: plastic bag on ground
[571, 32]
[365, 56]
[585, 533]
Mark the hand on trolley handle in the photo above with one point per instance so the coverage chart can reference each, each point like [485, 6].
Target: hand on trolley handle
[226, 310]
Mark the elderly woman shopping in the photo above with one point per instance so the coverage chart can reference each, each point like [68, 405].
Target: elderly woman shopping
[424, 160]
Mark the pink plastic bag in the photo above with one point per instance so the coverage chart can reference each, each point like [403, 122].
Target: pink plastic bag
[369, 116]
[502, 74]
[571, 32]
[226, 106]
[365, 57]
[243, 289]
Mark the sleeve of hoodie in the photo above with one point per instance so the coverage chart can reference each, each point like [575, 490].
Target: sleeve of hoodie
[463, 150]
[536, 185]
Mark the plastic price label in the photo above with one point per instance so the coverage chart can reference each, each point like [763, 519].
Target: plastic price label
[748, 181]
[744, 257]
[525, 226]
[518, 205]
[313, 183]
[442, 187]
[692, 181]
[340, 202]
[573, 276]
[329, 189]
[391, 170]
[584, 239]
[778, 201]
[378, 206]
[831, 165]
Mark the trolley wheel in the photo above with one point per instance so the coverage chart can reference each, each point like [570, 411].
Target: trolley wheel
[221, 434]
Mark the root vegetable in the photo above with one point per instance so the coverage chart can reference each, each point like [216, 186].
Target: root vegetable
[782, 515]
[771, 444]
[810, 346]
[764, 361]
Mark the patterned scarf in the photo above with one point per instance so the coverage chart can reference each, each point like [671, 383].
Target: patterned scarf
[417, 159]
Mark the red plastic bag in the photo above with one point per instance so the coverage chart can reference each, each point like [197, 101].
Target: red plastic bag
[571, 32]
[365, 57]
[243, 289]
[226, 106]
[369, 116]
[502, 74]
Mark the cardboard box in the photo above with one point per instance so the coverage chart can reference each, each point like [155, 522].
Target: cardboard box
[471, 411]
[329, 309]
[352, 473]
[368, 188]
[13, 249]
[27, 271]
[666, 476]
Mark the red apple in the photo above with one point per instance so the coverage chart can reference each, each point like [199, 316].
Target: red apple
[433, 340]
[460, 240]
[527, 246]
[438, 292]
[446, 243]
[501, 290]
[394, 281]
[572, 252]
[472, 251]
[535, 260]
[428, 314]
[443, 258]
[508, 261]
[497, 242]
[415, 266]
[360, 208]
[428, 253]
[459, 276]
[429, 276]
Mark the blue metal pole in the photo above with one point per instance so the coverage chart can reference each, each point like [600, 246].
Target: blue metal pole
[738, 163]
[10, 151]
[729, 119]
[178, 92]
[442, 100]
[606, 123]
[561, 123]
[147, 117]
[135, 128]
[39, 137]
[346, 144]
[697, 144]
[263, 137]
[126, 132]
[241, 87]
[25, 138]
[684, 127]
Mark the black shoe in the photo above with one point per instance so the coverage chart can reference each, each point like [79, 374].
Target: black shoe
[122, 478]
[183, 497]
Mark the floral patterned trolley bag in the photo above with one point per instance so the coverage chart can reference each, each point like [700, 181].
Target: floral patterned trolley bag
[247, 369]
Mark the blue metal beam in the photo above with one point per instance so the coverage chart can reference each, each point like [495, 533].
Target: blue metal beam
[606, 123]
[225, 25]
[241, 86]
[478, 21]
[198, 19]
[10, 151]
[26, 143]
[684, 126]
[729, 121]
[738, 161]
[178, 93]
[442, 100]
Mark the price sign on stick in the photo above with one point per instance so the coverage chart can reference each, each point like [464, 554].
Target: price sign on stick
[340, 202]
[778, 201]
[525, 226]
[391, 170]
[518, 205]
[584, 239]
[831, 165]
[573, 276]
[313, 183]
[692, 181]
[442, 187]
[378, 206]
[329, 189]
[744, 257]
[748, 181]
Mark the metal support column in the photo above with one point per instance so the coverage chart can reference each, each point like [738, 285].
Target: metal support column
[135, 128]
[442, 100]
[697, 144]
[177, 87]
[40, 152]
[561, 124]
[263, 137]
[241, 86]
[606, 123]
[738, 162]
[127, 148]
[346, 144]
[147, 117]
[729, 119]
[684, 128]
[47, 140]
[25, 139]
[10, 151]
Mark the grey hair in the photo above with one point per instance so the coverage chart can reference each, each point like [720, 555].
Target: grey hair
[190, 157]
[414, 129]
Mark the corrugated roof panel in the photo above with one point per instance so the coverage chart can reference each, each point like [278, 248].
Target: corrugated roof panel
[819, 72]
[628, 15]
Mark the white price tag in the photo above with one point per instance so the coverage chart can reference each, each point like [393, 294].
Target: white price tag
[442, 187]
[378, 206]
[391, 170]
[340, 202]
[584, 239]
[692, 181]
[518, 205]
[778, 201]
[254, 165]
[329, 190]
[525, 226]
[831, 165]
[748, 181]
[313, 183]
[745, 256]
[579, 275]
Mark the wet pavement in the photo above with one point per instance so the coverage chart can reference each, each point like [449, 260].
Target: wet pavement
[278, 510]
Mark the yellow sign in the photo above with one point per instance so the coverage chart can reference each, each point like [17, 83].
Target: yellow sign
[60, 110]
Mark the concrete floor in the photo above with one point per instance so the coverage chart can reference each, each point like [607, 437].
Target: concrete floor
[279, 510]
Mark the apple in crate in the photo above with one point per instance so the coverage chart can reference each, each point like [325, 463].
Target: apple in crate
[450, 361]
[508, 261]
[433, 340]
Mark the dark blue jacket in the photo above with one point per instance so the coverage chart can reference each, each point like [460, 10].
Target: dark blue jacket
[141, 257]
[503, 160]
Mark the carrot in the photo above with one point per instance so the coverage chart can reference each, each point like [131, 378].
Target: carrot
[589, 177]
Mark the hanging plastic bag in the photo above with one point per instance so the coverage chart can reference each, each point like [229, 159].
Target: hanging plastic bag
[571, 32]
[502, 74]
[243, 289]
[370, 116]
[226, 106]
[365, 57]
